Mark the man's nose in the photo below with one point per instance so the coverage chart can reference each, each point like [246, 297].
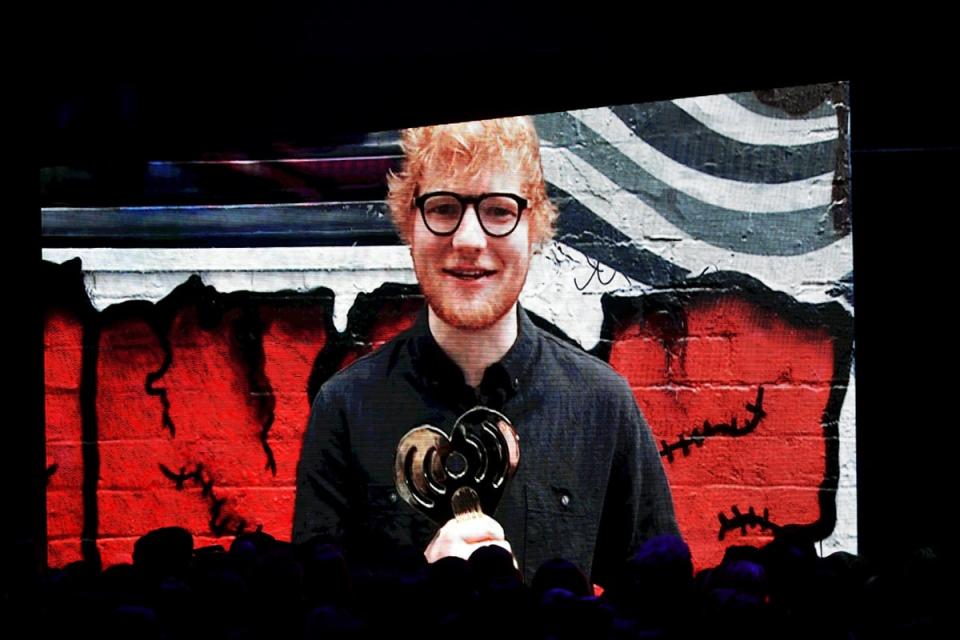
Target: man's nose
[470, 234]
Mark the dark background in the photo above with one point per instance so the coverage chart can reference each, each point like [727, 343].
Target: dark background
[177, 84]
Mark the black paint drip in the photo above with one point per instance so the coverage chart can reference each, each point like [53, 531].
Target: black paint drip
[246, 340]
[248, 337]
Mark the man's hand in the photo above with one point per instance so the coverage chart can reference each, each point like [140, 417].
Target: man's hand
[462, 537]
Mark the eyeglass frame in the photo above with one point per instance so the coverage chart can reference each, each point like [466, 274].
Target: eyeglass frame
[420, 201]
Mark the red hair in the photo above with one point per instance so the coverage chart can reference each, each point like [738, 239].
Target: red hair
[469, 148]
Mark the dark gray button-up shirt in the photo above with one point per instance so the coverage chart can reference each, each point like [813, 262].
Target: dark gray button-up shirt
[589, 487]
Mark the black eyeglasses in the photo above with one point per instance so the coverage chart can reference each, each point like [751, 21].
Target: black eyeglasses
[498, 213]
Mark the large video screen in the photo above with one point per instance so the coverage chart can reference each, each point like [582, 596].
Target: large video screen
[703, 250]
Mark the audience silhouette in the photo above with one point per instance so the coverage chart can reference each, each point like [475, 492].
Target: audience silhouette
[266, 588]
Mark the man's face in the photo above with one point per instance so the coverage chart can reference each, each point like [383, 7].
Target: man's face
[470, 279]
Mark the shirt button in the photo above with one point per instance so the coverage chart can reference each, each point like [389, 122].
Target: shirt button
[392, 497]
[565, 500]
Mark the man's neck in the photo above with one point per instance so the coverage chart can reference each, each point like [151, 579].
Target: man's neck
[475, 349]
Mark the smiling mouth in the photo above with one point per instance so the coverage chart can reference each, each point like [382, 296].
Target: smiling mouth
[469, 274]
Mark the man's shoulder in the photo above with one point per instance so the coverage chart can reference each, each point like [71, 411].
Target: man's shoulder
[580, 364]
[367, 371]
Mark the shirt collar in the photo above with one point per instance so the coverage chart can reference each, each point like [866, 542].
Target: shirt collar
[432, 364]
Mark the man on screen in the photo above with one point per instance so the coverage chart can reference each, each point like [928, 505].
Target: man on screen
[471, 203]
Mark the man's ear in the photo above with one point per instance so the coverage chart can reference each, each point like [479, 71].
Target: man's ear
[408, 240]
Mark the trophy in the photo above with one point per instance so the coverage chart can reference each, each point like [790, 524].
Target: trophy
[461, 475]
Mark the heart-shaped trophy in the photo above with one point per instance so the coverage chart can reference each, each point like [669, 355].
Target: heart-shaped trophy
[462, 475]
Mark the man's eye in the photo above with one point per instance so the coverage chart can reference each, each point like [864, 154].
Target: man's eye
[500, 212]
[444, 210]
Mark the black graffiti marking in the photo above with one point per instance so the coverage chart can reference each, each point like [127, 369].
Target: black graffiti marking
[743, 520]
[52, 469]
[706, 269]
[220, 524]
[180, 478]
[597, 269]
[699, 435]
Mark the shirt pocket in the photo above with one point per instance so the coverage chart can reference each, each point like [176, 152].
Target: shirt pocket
[388, 515]
[560, 524]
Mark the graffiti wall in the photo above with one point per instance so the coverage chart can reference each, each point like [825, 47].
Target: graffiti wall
[703, 250]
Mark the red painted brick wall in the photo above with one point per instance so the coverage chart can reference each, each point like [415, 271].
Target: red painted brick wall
[711, 371]
[233, 371]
